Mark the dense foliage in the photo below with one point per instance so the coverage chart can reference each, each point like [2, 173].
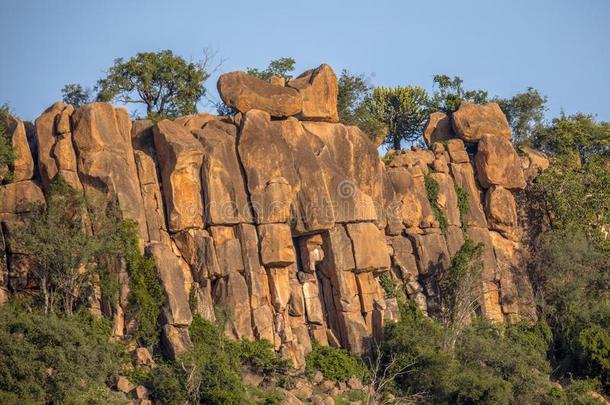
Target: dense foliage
[282, 67]
[335, 364]
[165, 83]
[75, 94]
[55, 359]
[7, 153]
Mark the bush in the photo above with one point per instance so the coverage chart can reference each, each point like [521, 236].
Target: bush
[432, 192]
[7, 153]
[463, 205]
[55, 359]
[335, 364]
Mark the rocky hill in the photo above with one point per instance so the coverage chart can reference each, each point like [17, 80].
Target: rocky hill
[283, 216]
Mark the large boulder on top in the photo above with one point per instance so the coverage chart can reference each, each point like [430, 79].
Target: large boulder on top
[319, 90]
[438, 128]
[472, 121]
[497, 163]
[244, 93]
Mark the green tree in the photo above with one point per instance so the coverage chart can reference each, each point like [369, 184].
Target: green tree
[165, 83]
[7, 153]
[449, 93]
[282, 67]
[525, 114]
[75, 94]
[403, 111]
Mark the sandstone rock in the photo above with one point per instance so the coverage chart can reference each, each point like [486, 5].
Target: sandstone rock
[312, 208]
[272, 182]
[141, 392]
[244, 93]
[176, 341]
[501, 211]
[276, 247]
[197, 248]
[197, 121]
[319, 90]
[225, 198]
[447, 198]
[180, 158]
[369, 246]
[438, 128]
[228, 251]
[457, 152]
[498, 164]
[231, 292]
[463, 176]
[403, 258]
[17, 198]
[23, 166]
[142, 357]
[177, 311]
[410, 210]
[289, 398]
[146, 164]
[310, 248]
[537, 162]
[124, 385]
[106, 165]
[45, 139]
[431, 252]
[472, 121]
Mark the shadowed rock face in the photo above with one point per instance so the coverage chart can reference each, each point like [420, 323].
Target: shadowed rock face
[282, 216]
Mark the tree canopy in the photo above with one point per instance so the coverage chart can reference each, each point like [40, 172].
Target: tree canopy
[75, 94]
[165, 83]
[282, 67]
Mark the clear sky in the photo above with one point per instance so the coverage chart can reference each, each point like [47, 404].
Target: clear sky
[557, 46]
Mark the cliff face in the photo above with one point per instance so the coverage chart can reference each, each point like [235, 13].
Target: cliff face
[281, 215]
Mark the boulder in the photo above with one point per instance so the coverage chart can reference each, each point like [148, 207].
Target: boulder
[23, 166]
[102, 141]
[463, 175]
[497, 163]
[180, 158]
[369, 246]
[276, 249]
[224, 191]
[501, 211]
[17, 198]
[319, 90]
[231, 292]
[171, 275]
[533, 162]
[457, 152]
[142, 357]
[438, 128]
[45, 139]
[176, 341]
[472, 121]
[271, 177]
[244, 93]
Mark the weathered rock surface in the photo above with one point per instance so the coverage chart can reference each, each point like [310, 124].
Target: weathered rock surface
[498, 164]
[280, 216]
[244, 93]
[472, 121]
[23, 166]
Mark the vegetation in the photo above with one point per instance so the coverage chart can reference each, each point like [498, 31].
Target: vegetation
[7, 153]
[525, 114]
[335, 364]
[463, 205]
[165, 83]
[75, 94]
[55, 358]
[282, 67]
[210, 373]
[449, 94]
[432, 193]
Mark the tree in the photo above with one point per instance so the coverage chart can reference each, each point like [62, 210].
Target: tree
[75, 94]
[403, 110]
[66, 252]
[449, 93]
[7, 153]
[525, 114]
[281, 67]
[166, 84]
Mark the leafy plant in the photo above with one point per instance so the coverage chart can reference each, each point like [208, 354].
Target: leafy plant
[335, 364]
[7, 153]
[282, 67]
[432, 190]
[463, 205]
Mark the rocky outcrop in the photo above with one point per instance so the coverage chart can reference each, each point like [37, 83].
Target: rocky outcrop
[281, 218]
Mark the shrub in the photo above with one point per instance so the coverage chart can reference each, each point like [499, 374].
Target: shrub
[7, 153]
[260, 357]
[463, 205]
[59, 359]
[335, 364]
[432, 192]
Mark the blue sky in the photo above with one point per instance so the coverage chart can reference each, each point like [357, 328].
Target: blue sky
[559, 47]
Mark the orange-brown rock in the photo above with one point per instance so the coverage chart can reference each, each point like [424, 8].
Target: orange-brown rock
[17, 198]
[276, 249]
[319, 90]
[244, 93]
[438, 128]
[176, 341]
[369, 246]
[534, 162]
[23, 165]
[45, 139]
[501, 211]
[497, 163]
[472, 121]
[180, 157]
[457, 152]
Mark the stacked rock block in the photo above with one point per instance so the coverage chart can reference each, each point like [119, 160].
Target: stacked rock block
[278, 221]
